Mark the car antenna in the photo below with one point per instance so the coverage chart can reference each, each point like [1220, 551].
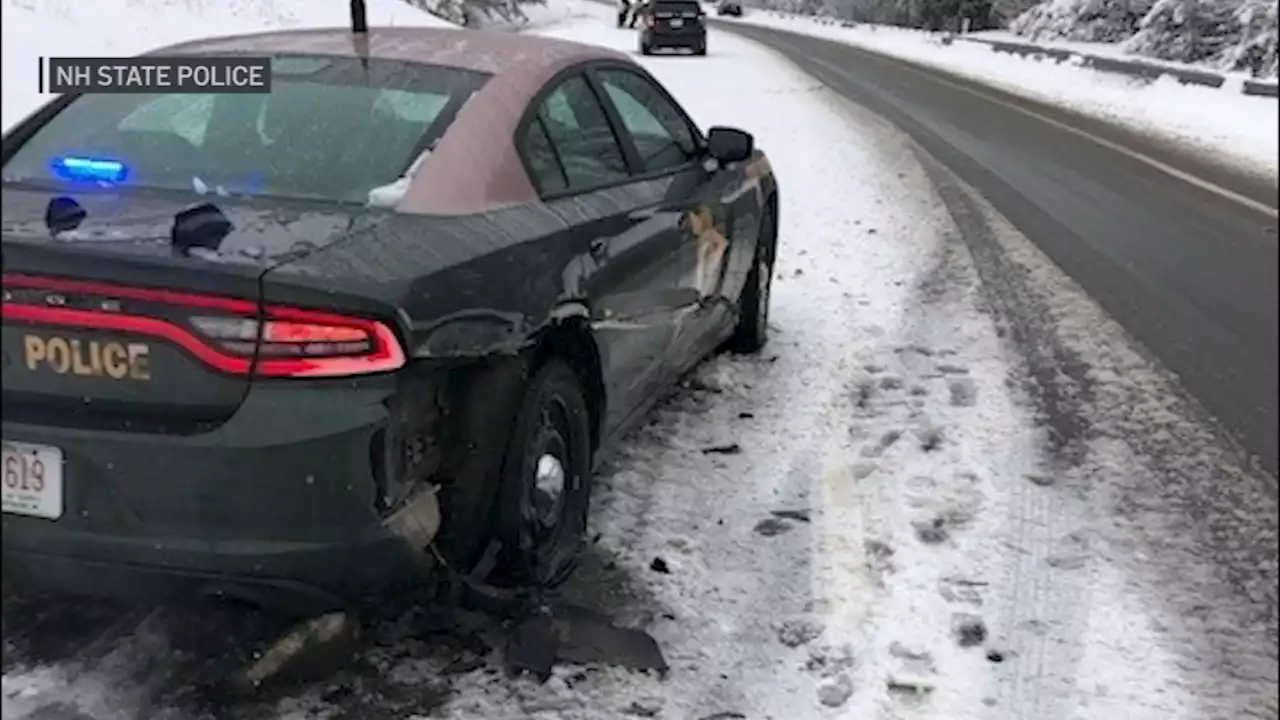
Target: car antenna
[360, 29]
[359, 18]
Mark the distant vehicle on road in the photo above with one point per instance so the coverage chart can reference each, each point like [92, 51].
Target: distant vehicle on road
[301, 347]
[731, 8]
[674, 24]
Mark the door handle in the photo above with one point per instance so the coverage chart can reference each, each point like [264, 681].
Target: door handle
[599, 247]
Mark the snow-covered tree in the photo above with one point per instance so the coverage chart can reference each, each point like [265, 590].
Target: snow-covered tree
[468, 12]
[1256, 50]
[1191, 31]
[1231, 35]
[1222, 34]
[931, 14]
[1082, 20]
[1004, 11]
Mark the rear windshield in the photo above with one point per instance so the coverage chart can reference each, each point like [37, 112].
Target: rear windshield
[332, 128]
[677, 7]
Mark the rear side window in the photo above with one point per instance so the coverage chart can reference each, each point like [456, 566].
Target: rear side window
[548, 173]
[331, 128]
[581, 137]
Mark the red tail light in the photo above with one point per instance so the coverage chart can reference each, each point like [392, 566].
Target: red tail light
[227, 334]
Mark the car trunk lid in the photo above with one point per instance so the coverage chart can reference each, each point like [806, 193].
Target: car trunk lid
[142, 312]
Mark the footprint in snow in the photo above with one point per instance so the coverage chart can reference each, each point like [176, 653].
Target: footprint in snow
[911, 682]
[826, 661]
[961, 591]
[912, 659]
[861, 471]
[800, 631]
[931, 532]
[879, 557]
[963, 391]
[969, 630]
[835, 691]
[864, 393]
[770, 527]
[884, 443]
[931, 439]
[891, 382]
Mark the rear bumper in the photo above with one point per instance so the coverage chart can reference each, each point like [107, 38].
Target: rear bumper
[279, 505]
[303, 581]
[670, 39]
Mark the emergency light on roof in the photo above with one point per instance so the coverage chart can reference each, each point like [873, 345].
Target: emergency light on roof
[82, 169]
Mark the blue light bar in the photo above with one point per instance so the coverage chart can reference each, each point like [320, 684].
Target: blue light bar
[83, 169]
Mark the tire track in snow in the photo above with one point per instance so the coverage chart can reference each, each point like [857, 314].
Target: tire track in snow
[916, 491]
[1038, 669]
[1162, 536]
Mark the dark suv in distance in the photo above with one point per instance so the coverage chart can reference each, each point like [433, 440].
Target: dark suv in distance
[674, 24]
[729, 7]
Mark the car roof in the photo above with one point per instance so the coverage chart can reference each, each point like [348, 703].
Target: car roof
[476, 50]
[475, 166]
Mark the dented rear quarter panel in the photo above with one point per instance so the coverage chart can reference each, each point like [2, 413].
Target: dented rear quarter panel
[461, 286]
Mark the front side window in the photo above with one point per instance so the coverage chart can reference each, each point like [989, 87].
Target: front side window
[576, 124]
[660, 131]
[331, 128]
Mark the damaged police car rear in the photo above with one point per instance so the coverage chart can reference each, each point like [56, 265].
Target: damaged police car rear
[301, 348]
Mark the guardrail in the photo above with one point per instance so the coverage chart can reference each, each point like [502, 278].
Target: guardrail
[1135, 67]
[1103, 63]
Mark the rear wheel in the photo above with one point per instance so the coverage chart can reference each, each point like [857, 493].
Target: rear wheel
[544, 495]
[700, 48]
[752, 331]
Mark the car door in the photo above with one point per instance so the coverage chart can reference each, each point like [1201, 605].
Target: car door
[693, 193]
[627, 264]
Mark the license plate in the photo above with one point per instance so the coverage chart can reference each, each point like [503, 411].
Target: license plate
[677, 22]
[32, 480]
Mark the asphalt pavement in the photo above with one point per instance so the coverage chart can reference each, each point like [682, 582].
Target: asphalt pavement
[1188, 271]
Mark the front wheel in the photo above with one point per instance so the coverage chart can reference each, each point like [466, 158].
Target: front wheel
[752, 331]
[700, 49]
[545, 490]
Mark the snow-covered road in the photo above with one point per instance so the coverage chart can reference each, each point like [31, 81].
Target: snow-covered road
[1220, 124]
[950, 488]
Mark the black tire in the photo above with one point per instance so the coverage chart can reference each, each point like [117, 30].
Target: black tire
[700, 49]
[752, 331]
[541, 536]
